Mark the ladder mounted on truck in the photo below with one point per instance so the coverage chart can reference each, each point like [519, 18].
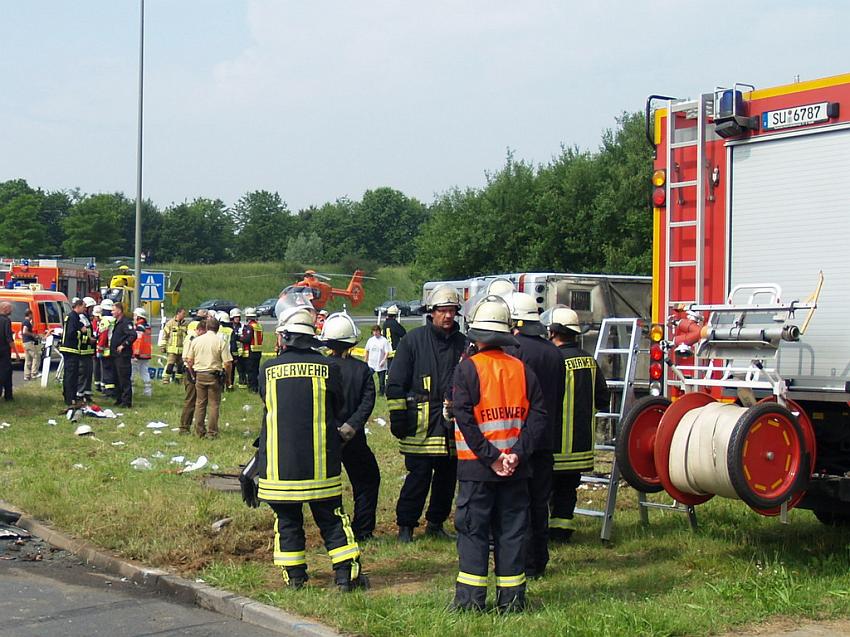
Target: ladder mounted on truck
[618, 338]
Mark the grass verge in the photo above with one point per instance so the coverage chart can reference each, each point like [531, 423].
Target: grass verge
[738, 569]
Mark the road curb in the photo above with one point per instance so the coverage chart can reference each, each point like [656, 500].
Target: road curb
[197, 593]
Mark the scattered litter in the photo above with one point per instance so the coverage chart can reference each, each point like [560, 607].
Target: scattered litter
[97, 412]
[141, 464]
[141, 433]
[227, 424]
[157, 454]
[157, 425]
[74, 415]
[218, 525]
[194, 466]
[381, 422]
[80, 466]
[121, 425]
[214, 467]
[124, 579]
[170, 443]
[156, 432]
[247, 407]
[178, 459]
[247, 432]
[8, 531]
[199, 580]
[366, 430]
[118, 443]
[83, 430]
[175, 429]
[51, 422]
[4, 425]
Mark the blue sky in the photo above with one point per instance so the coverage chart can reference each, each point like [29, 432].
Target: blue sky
[324, 99]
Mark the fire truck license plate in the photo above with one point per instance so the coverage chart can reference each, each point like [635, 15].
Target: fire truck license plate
[795, 116]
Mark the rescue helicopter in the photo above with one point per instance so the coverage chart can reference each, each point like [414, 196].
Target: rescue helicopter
[319, 291]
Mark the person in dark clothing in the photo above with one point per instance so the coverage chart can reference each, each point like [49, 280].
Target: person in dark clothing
[575, 437]
[392, 331]
[544, 359]
[419, 384]
[299, 454]
[7, 349]
[340, 334]
[121, 345]
[499, 416]
[75, 344]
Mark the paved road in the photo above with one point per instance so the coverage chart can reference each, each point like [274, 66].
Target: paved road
[56, 594]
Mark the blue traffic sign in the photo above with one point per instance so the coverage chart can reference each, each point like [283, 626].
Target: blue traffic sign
[152, 286]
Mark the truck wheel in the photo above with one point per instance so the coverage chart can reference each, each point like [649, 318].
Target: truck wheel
[636, 442]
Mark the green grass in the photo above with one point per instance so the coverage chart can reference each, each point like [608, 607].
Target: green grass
[737, 570]
[252, 283]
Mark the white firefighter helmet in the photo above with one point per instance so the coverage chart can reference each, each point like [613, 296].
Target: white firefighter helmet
[250, 312]
[97, 311]
[106, 305]
[89, 301]
[523, 307]
[560, 318]
[74, 300]
[235, 312]
[501, 287]
[340, 327]
[442, 296]
[392, 310]
[297, 320]
[222, 316]
[140, 311]
[83, 430]
[490, 322]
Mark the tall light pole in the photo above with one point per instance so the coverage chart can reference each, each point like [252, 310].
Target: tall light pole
[138, 242]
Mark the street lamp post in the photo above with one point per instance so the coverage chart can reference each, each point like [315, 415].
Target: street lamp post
[138, 242]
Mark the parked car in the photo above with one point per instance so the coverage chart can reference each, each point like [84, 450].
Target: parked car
[214, 305]
[266, 308]
[417, 307]
[403, 308]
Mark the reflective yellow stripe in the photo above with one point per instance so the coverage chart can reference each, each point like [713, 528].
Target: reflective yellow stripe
[292, 558]
[319, 426]
[395, 404]
[471, 580]
[343, 553]
[507, 581]
[272, 473]
[270, 493]
[569, 395]
[567, 524]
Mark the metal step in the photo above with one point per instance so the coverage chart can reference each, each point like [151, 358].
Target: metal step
[683, 184]
[687, 144]
[682, 264]
[620, 350]
[608, 414]
[683, 224]
[590, 512]
[595, 480]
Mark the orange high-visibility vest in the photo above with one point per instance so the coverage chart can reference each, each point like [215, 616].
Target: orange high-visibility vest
[142, 344]
[503, 404]
[257, 338]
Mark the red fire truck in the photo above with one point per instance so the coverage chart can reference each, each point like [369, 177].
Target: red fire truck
[73, 277]
[751, 358]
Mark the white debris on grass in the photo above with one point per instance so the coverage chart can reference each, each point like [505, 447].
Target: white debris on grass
[121, 425]
[80, 466]
[51, 422]
[157, 454]
[178, 459]
[4, 425]
[170, 443]
[247, 408]
[200, 463]
[141, 464]
[218, 525]
[156, 424]
[118, 443]
[141, 433]
[175, 429]
[366, 430]
[156, 432]
[381, 422]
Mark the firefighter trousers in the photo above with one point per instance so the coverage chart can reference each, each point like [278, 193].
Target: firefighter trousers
[84, 377]
[241, 369]
[107, 375]
[70, 376]
[435, 473]
[498, 510]
[365, 478]
[563, 504]
[334, 526]
[122, 366]
[254, 371]
[540, 493]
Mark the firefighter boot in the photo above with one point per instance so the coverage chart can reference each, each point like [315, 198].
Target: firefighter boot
[432, 529]
[468, 597]
[349, 577]
[510, 599]
[560, 536]
[405, 534]
[295, 576]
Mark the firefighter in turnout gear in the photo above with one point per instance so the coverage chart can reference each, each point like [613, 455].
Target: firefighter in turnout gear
[392, 331]
[75, 344]
[585, 391]
[547, 363]
[175, 334]
[142, 350]
[225, 333]
[340, 334]
[500, 416]
[240, 345]
[299, 453]
[255, 348]
[419, 383]
[84, 380]
[106, 325]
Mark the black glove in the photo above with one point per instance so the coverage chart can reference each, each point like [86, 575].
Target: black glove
[346, 432]
[248, 484]
[398, 423]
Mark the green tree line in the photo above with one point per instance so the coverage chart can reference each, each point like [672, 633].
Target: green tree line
[582, 211]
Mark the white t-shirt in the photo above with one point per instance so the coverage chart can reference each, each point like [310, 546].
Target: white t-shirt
[377, 350]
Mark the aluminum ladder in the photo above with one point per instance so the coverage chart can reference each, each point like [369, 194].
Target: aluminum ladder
[679, 139]
[619, 338]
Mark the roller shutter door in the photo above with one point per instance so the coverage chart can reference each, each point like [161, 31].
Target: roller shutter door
[789, 219]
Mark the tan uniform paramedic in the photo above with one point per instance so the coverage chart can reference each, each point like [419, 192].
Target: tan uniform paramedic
[209, 362]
